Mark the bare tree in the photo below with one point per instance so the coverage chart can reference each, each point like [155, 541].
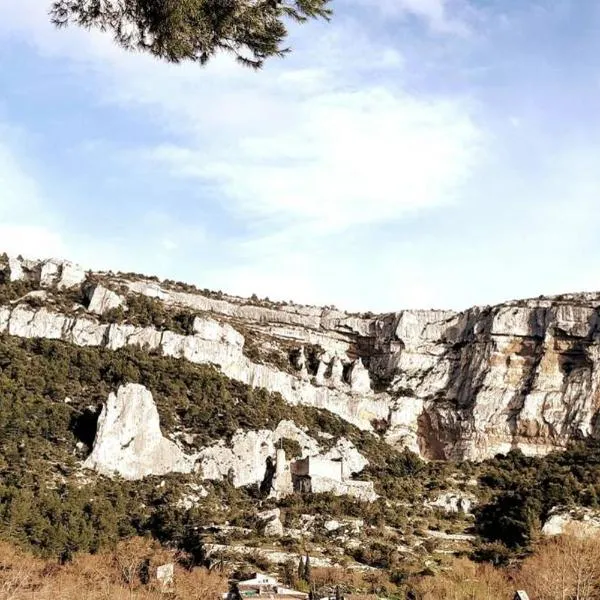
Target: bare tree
[565, 568]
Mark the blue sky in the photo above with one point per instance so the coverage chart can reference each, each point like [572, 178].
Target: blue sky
[409, 154]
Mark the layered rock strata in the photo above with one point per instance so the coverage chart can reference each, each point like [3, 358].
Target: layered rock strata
[468, 385]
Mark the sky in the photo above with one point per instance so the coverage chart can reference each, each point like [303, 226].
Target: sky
[407, 154]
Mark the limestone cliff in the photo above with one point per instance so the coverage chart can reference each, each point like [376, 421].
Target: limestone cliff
[129, 441]
[523, 374]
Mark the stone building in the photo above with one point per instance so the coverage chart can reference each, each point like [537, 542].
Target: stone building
[261, 585]
[305, 470]
[318, 474]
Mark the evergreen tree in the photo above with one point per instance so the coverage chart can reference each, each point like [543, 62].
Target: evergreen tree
[288, 573]
[307, 569]
[300, 569]
[178, 30]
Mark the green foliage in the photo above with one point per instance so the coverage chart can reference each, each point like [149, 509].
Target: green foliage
[151, 312]
[511, 518]
[10, 291]
[495, 553]
[41, 503]
[193, 29]
[520, 491]
[292, 448]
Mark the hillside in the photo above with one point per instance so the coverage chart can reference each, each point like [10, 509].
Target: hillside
[251, 432]
[446, 385]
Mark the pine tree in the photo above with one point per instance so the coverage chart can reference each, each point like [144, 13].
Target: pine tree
[178, 30]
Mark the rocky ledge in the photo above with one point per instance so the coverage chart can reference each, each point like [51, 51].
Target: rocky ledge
[468, 385]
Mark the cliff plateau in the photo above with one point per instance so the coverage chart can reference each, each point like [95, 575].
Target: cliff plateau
[447, 385]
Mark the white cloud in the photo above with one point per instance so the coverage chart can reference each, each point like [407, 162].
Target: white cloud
[25, 226]
[439, 15]
[302, 150]
[18, 191]
[349, 158]
[323, 145]
[31, 241]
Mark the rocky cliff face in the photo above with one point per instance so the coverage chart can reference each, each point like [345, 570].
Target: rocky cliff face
[129, 441]
[447, 385]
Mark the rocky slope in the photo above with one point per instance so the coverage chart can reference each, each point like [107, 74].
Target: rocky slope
[447, 385]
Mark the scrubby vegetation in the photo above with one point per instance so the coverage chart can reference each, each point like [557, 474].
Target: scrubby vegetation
[36, 376]
[564, 568]
[519, 492]
[50, 395]
[127, 571]
[143, 311]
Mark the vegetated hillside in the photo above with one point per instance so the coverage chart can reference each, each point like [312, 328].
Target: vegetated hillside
[225, 374]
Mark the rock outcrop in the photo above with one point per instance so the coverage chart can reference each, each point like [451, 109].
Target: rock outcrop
[270, 522]
[102, 300]
[252, 456]
[129, 442]
[454, 502]
[468, 385]
[581, 522]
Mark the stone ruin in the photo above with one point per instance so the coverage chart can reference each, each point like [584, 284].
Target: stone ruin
[317, 474]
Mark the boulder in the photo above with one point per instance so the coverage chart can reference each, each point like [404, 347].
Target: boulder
[360, 380]
[270, 523]
[581, 522]
[454, 502]
[102, 300]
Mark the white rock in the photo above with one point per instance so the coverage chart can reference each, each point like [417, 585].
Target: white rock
[62, 273]
[86, 332]
[245, 460]
[49, 273]
[518, 321]
[362, 490]
[337, 371]
[102, 300]
[211, 330]
[30, 323]
[129, 441]
[456, 380]
[71, 275]
[118, 335]
[321, 371]
[359, 378]
[15, 269]
[581, 522]
[271, 522]
[192, 499]
[414, 327]
[300, 362]
[165, 574]
[332, 525]
[454, 502]
[352, 460]
[4, 318]
[246, 457]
